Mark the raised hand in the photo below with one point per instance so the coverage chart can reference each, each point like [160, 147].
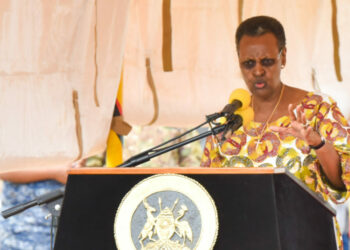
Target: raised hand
[299, 127]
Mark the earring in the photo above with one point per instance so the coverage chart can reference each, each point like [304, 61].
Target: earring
[282, 66]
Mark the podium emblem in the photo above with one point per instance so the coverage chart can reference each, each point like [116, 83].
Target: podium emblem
[166, 211]
[165, 225]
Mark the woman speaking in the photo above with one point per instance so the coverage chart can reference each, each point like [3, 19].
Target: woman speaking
[302, 131]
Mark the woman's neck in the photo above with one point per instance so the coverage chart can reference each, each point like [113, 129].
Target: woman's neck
[263, 106]
[266, 108]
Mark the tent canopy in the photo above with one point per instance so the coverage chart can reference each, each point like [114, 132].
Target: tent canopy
[61, 62]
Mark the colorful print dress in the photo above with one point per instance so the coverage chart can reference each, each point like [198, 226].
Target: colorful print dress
[247, 147]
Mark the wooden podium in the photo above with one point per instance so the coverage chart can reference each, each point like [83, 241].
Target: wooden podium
[260, 208]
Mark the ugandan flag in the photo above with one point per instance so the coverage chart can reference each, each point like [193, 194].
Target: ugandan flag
[119, 128]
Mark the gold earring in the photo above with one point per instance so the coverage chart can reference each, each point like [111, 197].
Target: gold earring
[282, 66]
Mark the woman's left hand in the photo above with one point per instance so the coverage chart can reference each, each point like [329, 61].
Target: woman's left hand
[298, 127]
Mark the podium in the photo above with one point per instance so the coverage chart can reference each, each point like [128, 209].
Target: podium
[256, 208]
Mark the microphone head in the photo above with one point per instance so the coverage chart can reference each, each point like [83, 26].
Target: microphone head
[246, 114]
[241, 95]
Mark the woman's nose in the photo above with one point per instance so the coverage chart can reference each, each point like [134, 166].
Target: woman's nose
[258, 70]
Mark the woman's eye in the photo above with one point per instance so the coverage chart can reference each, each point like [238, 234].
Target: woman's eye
[249, 64]
[267, 62]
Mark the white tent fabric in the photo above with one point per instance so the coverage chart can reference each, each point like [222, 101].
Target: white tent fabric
[205, 69]
[60, 64]
[50, 50]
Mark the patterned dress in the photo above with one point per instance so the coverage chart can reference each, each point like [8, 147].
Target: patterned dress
[247, 147]
[28, 230]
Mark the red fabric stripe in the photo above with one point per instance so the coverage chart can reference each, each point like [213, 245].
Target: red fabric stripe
[119, 107]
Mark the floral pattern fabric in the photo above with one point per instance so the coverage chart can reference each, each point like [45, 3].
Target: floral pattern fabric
[28, 230]
[249, 146]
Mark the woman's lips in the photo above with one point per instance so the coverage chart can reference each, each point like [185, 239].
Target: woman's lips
[260, 84]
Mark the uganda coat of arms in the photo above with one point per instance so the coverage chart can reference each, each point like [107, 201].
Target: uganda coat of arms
[166, 211]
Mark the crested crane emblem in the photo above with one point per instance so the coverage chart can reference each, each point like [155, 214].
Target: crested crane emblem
[164, 227]
[166, 212]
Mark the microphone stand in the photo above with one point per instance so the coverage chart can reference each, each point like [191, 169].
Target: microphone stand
[43, 199]
[53, 200]
[145, 156]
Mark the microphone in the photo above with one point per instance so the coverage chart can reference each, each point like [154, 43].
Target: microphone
[239, 100]
[43, 199]
[246, 114]
[239, 118]
[238, 112]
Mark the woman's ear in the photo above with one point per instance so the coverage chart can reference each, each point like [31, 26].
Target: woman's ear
[284, 57]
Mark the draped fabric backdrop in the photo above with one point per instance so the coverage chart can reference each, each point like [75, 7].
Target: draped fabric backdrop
[205, 68]
[60, 66]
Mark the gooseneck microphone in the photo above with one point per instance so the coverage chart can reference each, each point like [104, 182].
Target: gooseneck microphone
[238, 111]
[239, 100]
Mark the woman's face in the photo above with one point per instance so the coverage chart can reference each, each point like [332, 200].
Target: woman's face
[260, 62]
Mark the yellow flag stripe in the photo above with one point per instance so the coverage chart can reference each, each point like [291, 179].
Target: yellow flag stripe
[114, 153]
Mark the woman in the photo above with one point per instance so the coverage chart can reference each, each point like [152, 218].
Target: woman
[302, 131]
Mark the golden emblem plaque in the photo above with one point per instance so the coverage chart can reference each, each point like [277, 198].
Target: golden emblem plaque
[166, 211]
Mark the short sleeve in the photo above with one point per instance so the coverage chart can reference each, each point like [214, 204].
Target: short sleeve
[331, 124]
